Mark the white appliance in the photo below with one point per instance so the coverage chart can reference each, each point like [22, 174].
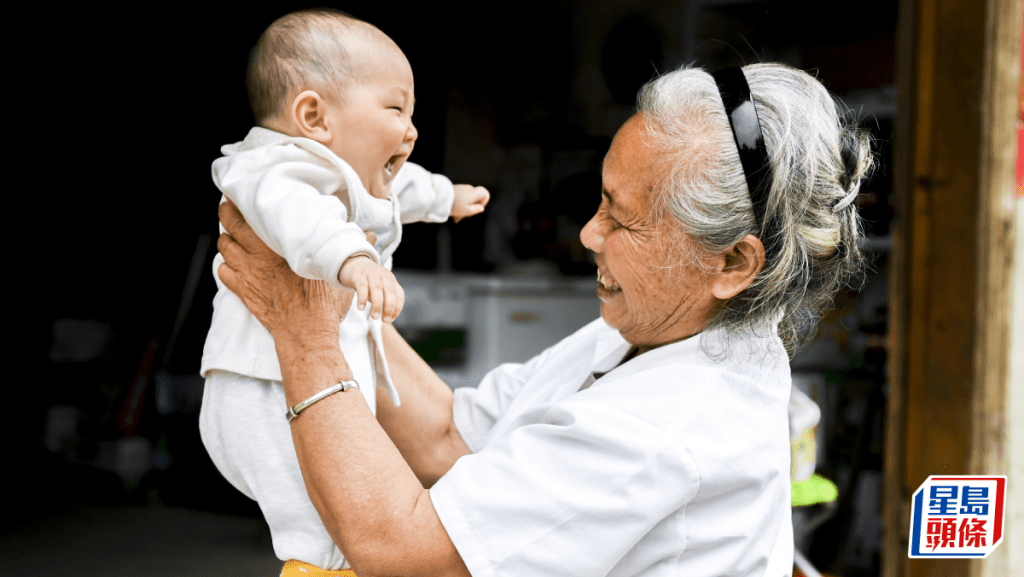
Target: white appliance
[465, 324]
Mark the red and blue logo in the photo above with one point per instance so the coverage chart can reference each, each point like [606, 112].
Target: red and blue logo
[957, 516]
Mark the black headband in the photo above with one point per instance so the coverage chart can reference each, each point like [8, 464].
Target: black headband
[746, 132]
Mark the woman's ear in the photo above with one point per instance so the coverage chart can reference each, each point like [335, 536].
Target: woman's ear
[309, 113]
[739, 267]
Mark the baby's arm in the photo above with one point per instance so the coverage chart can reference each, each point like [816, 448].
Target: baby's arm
[375, 284]
[426, 197]
[284, 193]
[469, 200]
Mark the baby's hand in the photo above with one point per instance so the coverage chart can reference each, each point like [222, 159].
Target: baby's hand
[469, 200]
[374, 283]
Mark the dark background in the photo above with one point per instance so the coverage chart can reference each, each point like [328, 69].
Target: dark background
[126, 109]
[137, 104]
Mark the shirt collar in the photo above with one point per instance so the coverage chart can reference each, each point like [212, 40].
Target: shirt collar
[609, 351]
[257, 137]
[611, 348]
[760, 353]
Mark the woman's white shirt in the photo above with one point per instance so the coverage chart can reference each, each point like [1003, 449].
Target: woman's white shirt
[669, 464]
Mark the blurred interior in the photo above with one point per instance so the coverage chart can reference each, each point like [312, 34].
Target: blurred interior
[522, 98]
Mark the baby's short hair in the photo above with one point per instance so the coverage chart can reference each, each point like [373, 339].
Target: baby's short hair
[304, 50]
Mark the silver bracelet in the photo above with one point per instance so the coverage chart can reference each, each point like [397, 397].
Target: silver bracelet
[340, 387]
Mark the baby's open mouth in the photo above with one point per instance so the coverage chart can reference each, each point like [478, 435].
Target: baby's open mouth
[392, 163]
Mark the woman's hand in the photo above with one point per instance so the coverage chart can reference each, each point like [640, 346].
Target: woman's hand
[301, 314]
[287, 304]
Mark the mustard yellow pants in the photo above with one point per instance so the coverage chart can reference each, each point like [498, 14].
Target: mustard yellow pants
[295, 568]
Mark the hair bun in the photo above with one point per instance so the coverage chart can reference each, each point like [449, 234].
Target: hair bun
[850, 148]
[855, 151]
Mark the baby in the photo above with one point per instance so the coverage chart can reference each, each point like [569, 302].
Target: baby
[333, 98]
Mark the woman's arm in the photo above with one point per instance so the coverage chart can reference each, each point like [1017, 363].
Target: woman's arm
[370, 501]
[368, 498]
[422, 427]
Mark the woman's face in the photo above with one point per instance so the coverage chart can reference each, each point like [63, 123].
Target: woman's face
[648, 288]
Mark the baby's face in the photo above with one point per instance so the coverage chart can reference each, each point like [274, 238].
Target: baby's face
[372, 125]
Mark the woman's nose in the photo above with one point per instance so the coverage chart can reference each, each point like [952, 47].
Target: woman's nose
[591, 236]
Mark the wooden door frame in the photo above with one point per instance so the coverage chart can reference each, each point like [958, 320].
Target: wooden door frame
[958, 67]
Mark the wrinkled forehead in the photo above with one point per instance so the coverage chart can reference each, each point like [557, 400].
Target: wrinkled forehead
[631, 168]
[633, 156]
[683, 147]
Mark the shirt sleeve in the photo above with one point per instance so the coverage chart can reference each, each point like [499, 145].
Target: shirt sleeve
[476, 409]
[286, 196]
[565, 494]
[423, 196]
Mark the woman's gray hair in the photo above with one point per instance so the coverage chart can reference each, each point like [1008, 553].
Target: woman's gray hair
[817, 161]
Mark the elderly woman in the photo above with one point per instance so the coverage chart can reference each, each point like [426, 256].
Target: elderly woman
[653, 441]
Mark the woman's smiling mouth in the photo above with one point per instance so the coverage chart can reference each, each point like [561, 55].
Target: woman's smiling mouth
[607, 283]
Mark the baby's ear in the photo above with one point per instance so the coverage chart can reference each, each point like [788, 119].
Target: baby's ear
[308, 112]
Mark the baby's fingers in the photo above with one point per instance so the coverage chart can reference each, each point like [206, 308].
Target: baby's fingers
[376, 297]
[483, 196]
[468, 211]
[400, 303]
[394, 300]
[362, 292]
